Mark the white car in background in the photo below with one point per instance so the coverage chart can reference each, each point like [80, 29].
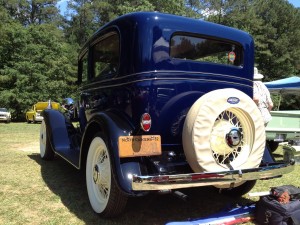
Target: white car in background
[5, 115]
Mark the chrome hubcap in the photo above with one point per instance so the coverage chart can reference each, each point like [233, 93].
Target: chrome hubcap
[233, 137]
[228, 137]
[96, 174]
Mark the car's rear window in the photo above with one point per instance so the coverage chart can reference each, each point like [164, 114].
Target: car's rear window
[206, 49]
[3, 110]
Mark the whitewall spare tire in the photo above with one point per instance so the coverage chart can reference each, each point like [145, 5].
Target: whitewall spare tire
[223, 130]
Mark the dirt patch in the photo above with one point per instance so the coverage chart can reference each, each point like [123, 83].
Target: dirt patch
[28, 147]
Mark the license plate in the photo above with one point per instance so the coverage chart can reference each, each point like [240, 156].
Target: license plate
[144, 145]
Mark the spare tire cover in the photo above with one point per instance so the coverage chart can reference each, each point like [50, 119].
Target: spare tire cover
[223, 130]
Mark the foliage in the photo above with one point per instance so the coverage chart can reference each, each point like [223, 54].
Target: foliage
[87, 16]
[274, 24]
[39, 47]
[32, 11]
[285, 101]
[281, 37]
[36, 65]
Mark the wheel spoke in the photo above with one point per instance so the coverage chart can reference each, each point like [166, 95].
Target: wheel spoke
[102, 171]
[103, 189]
[221, 150]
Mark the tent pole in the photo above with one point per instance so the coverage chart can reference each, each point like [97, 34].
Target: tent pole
[280, 97]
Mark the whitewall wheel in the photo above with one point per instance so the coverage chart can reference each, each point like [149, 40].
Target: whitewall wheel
[104, 194]
[46, 151]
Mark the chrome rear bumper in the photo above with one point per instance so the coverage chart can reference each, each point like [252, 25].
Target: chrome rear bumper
[164, 182]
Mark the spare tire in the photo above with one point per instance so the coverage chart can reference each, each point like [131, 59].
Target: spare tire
[223, 130]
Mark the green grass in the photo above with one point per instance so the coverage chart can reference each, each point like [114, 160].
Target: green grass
[33, 191]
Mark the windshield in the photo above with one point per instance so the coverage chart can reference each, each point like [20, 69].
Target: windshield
[3, 110]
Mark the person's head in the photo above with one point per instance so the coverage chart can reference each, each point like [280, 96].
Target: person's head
[256, 75]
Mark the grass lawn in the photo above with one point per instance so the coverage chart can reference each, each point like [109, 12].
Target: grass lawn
[33, 191]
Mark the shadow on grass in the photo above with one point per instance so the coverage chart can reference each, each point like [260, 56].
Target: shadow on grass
[69, 184]
[277, 156]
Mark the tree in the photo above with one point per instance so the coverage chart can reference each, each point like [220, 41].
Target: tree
[87, 16]
[274, 25]
[38, 50]
[39, 66]
[281, 37]
[81, 24]
[33, 11]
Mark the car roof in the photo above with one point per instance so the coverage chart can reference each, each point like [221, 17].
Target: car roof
[174, 23]
[140, 32]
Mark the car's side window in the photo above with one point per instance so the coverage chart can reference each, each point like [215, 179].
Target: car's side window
[105, 56]
[206, 49]
[83, 68]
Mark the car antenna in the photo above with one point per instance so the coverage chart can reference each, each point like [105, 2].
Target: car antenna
[49, 104]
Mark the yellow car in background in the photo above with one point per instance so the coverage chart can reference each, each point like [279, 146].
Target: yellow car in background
[34, 114]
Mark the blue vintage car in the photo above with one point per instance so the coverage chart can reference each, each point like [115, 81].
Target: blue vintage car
[164, 102]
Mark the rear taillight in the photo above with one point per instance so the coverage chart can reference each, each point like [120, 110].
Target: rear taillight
[146, 122]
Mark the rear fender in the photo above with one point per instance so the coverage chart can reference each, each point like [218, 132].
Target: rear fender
[112, 125]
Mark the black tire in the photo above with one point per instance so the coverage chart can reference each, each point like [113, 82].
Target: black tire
[273, 145]
[27, 120]
[105, 196]
[46, 150]
[239, 190]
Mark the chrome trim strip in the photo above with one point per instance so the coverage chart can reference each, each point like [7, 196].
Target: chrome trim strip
[163, 182]
[155, 79]
[166, 72]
